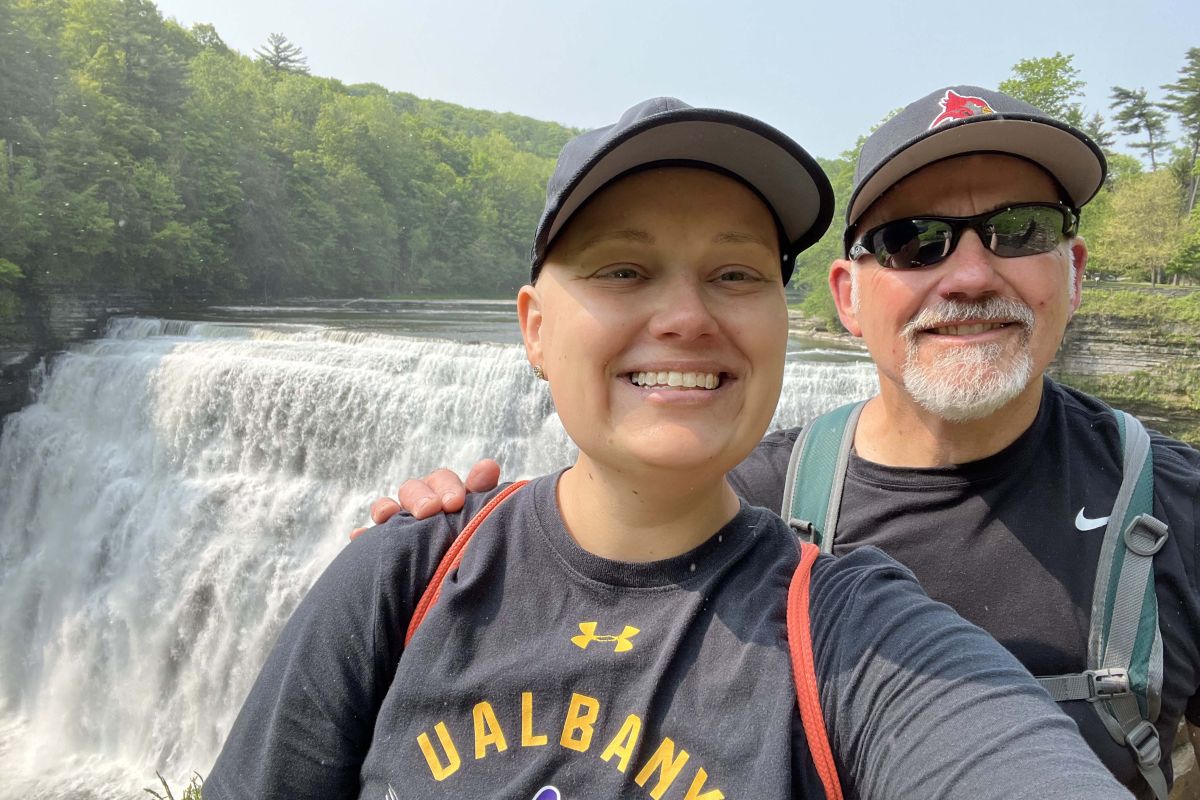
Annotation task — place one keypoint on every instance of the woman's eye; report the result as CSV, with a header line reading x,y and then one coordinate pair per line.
x,y
737,274
619,273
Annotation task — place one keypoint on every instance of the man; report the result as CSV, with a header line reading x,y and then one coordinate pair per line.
x,y
972,468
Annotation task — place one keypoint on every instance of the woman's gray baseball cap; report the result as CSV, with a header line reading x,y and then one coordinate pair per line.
x,y
959,120
665,131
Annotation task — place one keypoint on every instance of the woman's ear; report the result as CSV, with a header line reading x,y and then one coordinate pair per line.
x,y
841,283
529,314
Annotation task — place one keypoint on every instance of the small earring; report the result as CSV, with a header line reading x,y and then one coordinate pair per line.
x,y
539,373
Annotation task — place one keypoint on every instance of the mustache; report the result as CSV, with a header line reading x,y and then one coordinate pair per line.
x,y
950,312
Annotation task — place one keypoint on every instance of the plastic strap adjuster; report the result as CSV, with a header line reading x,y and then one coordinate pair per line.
x,y
1105,684
1145,535
1143,739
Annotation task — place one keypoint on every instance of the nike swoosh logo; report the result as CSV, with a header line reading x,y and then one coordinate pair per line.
x,y
1086,524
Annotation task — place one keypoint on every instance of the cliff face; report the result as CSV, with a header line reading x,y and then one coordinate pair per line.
x,y
45,324
1096,345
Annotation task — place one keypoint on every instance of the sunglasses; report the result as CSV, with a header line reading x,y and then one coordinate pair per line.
x,y
1024,229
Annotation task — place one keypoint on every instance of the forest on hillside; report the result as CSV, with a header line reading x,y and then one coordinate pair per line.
x,y
135,153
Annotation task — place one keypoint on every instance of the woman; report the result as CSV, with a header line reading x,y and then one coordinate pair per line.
x,y
617,630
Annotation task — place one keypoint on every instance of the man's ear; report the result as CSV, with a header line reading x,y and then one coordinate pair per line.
x,y
841,278
529,314
1079,258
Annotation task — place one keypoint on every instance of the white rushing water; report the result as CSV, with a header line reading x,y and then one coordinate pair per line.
x,y
177,486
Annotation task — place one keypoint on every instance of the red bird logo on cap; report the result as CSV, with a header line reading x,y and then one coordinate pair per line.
x,y
959,106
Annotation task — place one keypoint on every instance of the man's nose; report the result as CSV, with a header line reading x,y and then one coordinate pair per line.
x,y
970,270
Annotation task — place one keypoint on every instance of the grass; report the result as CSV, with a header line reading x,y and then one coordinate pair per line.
x,y
1155,306
190,792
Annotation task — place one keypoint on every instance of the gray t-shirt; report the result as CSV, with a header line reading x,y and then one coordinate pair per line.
x,y
1011,542
545,671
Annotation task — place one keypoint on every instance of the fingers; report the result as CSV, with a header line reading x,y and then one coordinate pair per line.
x,y
357,532
484,476
440,490
383,509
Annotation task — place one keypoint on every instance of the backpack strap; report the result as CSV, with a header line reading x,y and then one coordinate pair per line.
x,y
804,672
1123,680
816,473
453,558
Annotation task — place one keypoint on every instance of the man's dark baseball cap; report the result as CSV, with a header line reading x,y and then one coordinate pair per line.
x,y
668,132
959,120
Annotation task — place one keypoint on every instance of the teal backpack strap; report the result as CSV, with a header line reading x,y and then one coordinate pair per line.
x,y
816,473
1124,676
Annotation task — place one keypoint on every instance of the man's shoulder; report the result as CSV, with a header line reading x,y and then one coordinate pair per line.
x,y
1175,462
760,477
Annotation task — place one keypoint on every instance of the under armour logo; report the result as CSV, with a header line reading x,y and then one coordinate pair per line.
x,y
587,635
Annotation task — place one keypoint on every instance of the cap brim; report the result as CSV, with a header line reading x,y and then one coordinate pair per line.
x,y
786,176
1074,161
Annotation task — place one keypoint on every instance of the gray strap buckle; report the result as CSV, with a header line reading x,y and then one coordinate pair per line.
x,y
1143,740
1105,684
804,529
1145,535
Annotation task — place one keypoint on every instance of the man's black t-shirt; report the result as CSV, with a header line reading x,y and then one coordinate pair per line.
x,y
1012,541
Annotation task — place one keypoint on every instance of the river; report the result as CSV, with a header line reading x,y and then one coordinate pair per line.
x,y
177,485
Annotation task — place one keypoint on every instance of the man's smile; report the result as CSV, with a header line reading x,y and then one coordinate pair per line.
x,y
967,329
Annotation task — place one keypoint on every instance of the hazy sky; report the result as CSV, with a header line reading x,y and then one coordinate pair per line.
x,y
823,73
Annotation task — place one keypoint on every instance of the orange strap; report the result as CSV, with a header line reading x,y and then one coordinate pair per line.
x,y
804,672
452,559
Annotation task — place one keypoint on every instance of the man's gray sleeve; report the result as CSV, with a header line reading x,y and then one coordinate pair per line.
x,y
920,703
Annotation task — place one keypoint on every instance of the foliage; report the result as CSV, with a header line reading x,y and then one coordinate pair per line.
x,y
280,55
1051,84
1156,308
190,792
1143,229
1136,114
135,153
1183,100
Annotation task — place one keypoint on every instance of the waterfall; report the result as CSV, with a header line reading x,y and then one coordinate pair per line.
x,y
176,486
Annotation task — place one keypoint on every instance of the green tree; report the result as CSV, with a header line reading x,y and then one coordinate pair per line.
x,y
1183,100
1050,83
1096,127
1149,205
280,55
1135,114
1186,261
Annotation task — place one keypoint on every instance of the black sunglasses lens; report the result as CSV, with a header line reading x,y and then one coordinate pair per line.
x,y
1024,231
911,243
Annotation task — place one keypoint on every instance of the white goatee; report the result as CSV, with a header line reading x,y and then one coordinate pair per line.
x,y
969,381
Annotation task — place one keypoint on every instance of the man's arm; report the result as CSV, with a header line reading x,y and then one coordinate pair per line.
x,y
920,703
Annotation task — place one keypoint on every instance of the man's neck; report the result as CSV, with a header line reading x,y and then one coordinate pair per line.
x,y
637,518
896,432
